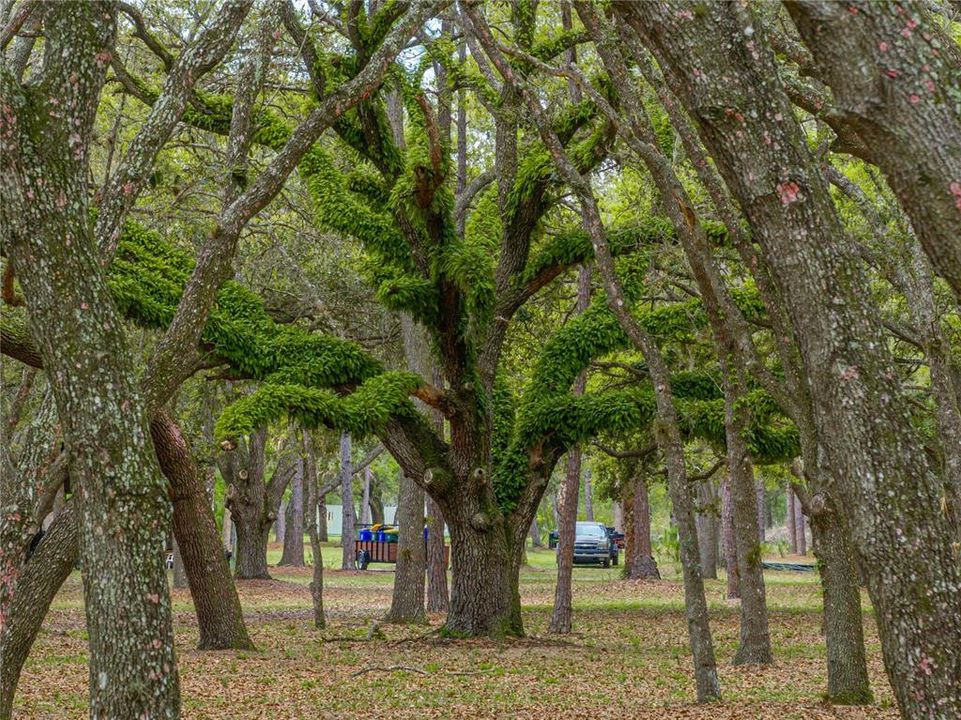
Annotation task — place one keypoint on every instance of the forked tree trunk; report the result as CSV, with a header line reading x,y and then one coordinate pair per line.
x,y
561,614
293,554
438,596
407,600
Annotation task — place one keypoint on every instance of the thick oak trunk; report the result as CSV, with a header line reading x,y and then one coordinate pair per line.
x,y
293,554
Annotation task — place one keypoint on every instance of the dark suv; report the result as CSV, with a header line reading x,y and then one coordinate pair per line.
x,y
593,544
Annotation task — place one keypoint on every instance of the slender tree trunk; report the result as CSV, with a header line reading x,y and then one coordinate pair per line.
x,y
407,601
755,641
280,524
588,496
438,597
228,532
365,515
317,580
762,514
535,534
707,529
730,545
791,520
800,535
561,615
294,538
618,517
347,501
322,520
180,575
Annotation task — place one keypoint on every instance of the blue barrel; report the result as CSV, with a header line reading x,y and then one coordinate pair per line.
x,y
366,535
425,532
381,536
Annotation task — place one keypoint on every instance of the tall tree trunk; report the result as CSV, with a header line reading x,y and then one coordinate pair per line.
x,y
728,541
347,502
588,496
313,493
49,239
407,601
570,490
755,640
438,597
791,519
365,515
322,520
707,535
643,565
861,414
561,614
294,538
180,575
762,513
535,534
280,524
618,516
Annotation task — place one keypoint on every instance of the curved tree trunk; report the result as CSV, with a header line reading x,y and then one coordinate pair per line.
x,y
39,581
219,615
407,600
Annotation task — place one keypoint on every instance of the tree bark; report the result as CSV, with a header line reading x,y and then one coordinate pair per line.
x,y
49,238
293,554
588,496
642,565
860,412
39,581
313,494
438,597
535,534
728,541
762,513
216,603
347,503
180,575
843,628
707,524
280,525
800,534
561,615
407,601
791,519
891,82
755,640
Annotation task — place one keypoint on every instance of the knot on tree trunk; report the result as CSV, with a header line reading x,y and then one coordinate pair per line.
x,y
481,521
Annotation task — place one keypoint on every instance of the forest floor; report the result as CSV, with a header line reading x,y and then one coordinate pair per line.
x,y
627,657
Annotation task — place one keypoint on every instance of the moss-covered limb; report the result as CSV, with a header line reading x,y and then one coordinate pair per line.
x,y
364,411
147,277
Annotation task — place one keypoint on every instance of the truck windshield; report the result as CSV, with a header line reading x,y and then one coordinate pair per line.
x,y
585,529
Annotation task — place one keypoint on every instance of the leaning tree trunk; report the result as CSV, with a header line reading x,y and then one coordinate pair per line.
x,y
39,582
219,615
407,601
294,528
438,596
561,614
717,59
